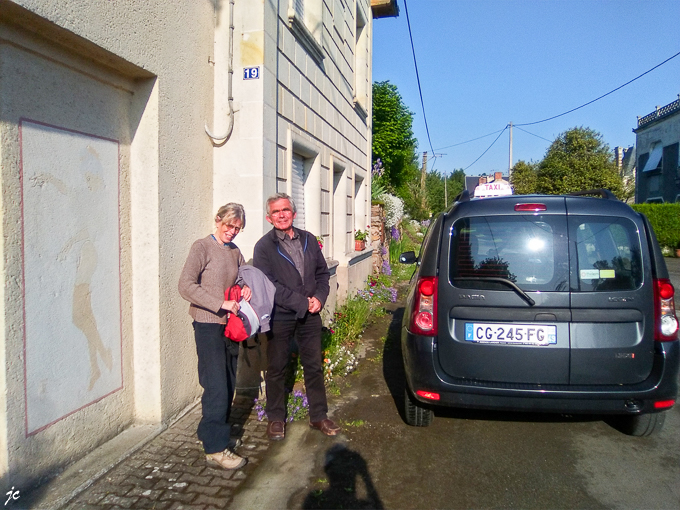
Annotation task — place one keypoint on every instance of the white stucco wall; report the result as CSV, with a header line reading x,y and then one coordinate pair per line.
x,y
147,77
140,78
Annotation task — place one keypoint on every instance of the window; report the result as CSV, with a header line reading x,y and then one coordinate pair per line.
x,y
361,61
305,21
297,179
655,157
608,253
528,251
303,182
360,200
342,210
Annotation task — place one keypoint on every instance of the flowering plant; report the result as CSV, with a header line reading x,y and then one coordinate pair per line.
x,y
319,240
361,235
296,404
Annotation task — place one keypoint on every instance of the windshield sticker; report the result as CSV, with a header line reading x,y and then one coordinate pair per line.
x,y
596,274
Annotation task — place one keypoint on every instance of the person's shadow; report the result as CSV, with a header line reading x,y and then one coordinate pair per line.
x,y
344,469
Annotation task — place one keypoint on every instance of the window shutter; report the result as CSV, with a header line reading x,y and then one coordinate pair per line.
x,y
298,190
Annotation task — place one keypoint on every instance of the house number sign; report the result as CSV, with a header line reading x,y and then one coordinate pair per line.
x,y
251,73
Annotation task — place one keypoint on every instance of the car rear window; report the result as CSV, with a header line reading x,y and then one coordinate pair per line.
x,y
607,252
530,251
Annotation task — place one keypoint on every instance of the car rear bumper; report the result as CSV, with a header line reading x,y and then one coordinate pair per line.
x,y
423,372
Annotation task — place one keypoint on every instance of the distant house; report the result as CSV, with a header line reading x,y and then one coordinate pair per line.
x,y
658,168
488,185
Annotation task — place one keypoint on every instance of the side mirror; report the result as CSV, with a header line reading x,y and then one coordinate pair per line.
x,y
408,257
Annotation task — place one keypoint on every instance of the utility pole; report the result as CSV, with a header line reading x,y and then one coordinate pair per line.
x,y
510,162
423,172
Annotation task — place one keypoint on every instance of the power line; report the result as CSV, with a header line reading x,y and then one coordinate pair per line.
x,y
415,63
487,150
532,134
603,95
550,118
468,141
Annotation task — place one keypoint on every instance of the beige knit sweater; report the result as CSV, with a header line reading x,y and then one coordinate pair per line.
x,y
210,269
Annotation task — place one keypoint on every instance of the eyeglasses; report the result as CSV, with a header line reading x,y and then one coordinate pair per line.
x,y
233,228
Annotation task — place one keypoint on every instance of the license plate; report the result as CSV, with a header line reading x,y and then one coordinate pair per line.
x,y
522,334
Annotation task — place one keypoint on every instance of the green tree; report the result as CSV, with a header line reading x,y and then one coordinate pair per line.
x,y
578,160
434,189
524,177
394,143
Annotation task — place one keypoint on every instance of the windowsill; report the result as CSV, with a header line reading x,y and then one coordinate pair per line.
x,y
300,30
360,108
357,256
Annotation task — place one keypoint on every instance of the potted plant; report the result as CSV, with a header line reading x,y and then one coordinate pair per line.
x,y
360,237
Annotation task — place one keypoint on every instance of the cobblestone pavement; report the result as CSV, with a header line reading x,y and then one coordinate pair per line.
x,y
170,472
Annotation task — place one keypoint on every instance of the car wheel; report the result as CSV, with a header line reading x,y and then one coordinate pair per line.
x,y
416,415
642,425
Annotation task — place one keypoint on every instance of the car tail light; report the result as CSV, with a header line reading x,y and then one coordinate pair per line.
x,y
530,207
664,404
665,321
424,313
430,395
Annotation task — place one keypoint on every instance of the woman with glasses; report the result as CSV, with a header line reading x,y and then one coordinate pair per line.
x,y
210,269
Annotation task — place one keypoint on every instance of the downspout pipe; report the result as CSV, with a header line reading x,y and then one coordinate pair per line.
x,y
219,140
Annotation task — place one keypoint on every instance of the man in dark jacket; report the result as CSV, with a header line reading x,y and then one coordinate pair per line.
x,y
292,260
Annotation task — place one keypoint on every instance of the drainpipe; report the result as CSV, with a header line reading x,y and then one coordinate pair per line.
x,y
219,140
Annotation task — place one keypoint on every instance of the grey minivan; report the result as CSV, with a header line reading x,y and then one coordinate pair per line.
x,y
541,303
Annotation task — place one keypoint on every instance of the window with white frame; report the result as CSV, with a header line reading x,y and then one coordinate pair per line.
x,y
360,204
342,234
305,19
297,180
304,183
361,60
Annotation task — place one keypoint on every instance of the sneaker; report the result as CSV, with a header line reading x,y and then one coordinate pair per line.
x,y
226,460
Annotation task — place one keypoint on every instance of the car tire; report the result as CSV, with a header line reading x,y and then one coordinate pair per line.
x,y
642,425
416,415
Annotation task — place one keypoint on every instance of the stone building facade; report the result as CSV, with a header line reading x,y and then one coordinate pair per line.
x,y
124,126
656,145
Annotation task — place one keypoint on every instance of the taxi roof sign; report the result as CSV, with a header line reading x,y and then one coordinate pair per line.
x,y
493,189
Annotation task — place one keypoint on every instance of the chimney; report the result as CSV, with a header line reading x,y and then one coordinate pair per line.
x,y
498,176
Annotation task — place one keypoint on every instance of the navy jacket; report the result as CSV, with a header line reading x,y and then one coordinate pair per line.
x,y
291,302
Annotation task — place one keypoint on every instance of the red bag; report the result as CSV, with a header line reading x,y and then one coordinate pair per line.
x,y
238,325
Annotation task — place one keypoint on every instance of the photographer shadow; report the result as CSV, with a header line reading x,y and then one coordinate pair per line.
x,y
346,471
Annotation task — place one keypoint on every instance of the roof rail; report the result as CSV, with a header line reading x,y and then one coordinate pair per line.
x,y
604,193
464,196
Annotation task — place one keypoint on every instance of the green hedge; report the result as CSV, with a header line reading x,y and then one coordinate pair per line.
x,y
665,220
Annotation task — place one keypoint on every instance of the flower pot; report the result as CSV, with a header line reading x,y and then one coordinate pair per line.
x,y
359,245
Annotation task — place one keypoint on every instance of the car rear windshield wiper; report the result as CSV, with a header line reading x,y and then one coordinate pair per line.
x,y
503,281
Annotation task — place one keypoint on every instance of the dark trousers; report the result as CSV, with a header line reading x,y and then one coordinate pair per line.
x,y
307,333
217,359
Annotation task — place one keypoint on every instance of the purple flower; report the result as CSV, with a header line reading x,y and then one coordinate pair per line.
x,y
386,268
425,223
377,169
383,250
394,232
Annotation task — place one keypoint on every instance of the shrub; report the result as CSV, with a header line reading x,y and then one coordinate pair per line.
x,y
394,209
665,220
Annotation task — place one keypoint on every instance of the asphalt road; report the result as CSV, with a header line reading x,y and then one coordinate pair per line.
x,y
465,459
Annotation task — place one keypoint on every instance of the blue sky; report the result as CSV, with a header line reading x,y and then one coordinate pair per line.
x,y
485,63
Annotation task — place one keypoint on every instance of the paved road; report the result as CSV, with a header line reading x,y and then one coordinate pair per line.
x,y
464,459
